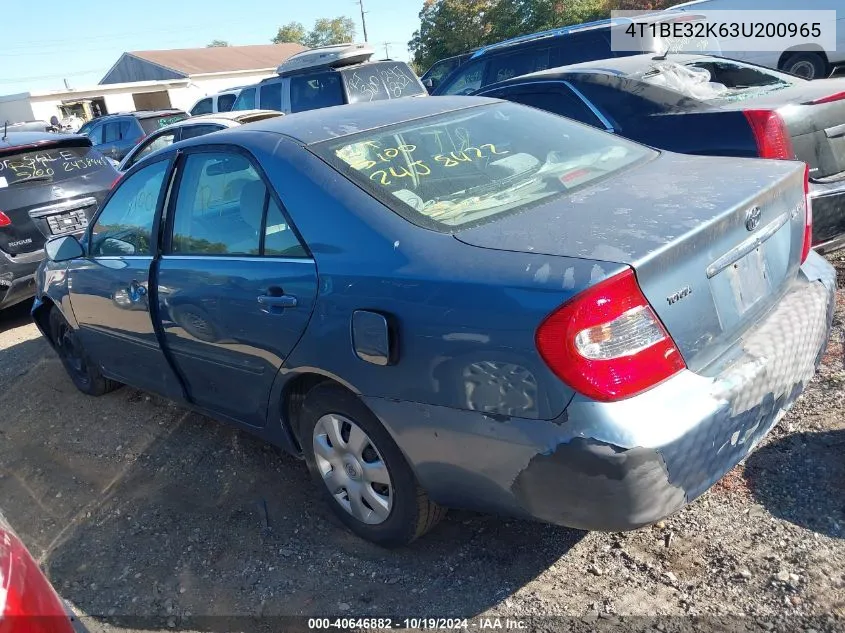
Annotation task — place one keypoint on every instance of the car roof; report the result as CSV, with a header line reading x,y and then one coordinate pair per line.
x,y
323,124
18,139
229,119
142,114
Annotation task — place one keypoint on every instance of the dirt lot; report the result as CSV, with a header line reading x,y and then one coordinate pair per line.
x,y
138,508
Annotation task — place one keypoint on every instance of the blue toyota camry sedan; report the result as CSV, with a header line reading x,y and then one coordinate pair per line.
x,y
455,302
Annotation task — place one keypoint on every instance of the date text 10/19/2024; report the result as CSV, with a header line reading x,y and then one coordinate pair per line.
x,y
421,624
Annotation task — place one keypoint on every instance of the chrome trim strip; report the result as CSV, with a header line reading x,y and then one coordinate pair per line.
x,y
67,205
741,250
239,258
603,119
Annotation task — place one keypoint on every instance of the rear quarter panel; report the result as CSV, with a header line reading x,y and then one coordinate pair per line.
x,y
457,308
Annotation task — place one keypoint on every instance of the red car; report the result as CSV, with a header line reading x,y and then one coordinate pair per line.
x,y
28,603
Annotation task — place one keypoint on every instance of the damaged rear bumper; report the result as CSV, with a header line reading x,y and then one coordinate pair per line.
x,y
828,200
618,466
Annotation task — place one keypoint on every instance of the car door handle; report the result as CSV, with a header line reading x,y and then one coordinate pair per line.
x,y
281,301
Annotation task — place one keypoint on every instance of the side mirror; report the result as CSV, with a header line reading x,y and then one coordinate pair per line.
x,y
429,83
114,163
63,249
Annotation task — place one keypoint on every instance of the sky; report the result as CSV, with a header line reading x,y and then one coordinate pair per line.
x,y
40,47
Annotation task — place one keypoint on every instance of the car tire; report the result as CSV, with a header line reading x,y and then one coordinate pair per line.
x,y
362,474
806,65
84,373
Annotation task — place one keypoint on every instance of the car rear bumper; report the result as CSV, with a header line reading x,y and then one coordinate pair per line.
x,y
618,466
828,201
17,277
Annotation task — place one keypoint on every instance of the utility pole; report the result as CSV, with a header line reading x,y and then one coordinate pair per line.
x,y
363,19
387,50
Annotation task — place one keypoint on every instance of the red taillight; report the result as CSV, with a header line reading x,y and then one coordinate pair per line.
x,y
607,343
770,133
839,96
808,225
4,220
28,603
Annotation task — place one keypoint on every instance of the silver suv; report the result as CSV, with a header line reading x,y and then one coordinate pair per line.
x,y
329,76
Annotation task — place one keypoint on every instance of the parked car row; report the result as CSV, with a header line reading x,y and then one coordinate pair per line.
x,y
460,301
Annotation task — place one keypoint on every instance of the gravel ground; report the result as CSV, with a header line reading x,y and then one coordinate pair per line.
x,y
139,509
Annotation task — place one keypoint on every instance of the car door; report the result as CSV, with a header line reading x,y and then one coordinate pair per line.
x,y
236,285
110,288
555,97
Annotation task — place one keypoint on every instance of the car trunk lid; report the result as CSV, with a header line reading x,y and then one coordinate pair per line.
x,y
49,189
711,249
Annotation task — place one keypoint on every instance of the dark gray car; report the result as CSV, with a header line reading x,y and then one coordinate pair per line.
x,y
50,184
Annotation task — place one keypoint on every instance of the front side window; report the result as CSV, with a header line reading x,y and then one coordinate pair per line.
x,y
310,92
124,227
95,133
467,167
467,80
220,210
162,140
246,100
204,106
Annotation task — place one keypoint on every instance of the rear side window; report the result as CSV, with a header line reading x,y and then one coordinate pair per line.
x,y
246,100
310,92
622,102
502,67
225,102
151,124
49,165
204,106
557,101
124,227
111,131
192,131
271,96
470,166
587,47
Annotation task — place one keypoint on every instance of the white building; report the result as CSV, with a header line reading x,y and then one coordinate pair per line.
x,y
143,80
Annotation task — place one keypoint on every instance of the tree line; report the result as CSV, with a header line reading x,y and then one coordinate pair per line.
x,y
452,27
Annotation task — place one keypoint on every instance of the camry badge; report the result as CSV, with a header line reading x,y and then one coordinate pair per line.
x,y
752,218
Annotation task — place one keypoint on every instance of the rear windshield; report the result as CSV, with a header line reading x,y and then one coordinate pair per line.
x,y
717,80
467,167
383,80
152,124
49,165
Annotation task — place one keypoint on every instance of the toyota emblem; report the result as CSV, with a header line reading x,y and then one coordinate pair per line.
x,y
752,218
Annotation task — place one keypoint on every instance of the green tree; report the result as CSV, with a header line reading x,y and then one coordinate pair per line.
x,y
217,43
450,27
331,31
292,32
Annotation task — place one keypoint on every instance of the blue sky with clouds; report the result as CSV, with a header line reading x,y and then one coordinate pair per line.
x,y
46,42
